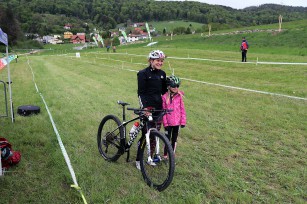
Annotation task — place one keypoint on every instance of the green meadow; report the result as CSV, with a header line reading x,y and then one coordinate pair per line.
x,y
245,139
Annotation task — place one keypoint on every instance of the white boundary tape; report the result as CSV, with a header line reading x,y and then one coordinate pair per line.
x,y
226,86
244,89
64,152
230,61
193,58
209,83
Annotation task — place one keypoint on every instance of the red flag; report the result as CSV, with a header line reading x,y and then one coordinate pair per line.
x,y
3,63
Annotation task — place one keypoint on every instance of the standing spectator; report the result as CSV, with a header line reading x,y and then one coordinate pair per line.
x,y
173,100
244,48
108,48
151,87
114,48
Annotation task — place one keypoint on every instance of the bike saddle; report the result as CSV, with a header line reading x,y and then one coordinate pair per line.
x,y
122,103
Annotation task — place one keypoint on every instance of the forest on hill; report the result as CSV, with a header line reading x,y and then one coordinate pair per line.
x,y
46,17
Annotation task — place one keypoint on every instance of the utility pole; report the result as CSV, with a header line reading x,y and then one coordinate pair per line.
x,y
209,26
280,22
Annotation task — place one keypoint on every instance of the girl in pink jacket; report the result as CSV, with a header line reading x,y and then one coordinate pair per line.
x,y
173,99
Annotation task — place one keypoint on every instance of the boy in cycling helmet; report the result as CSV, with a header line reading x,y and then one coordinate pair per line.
x,y
151,87
173,99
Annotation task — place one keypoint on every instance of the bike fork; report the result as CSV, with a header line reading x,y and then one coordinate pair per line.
x,y
150,160
128,156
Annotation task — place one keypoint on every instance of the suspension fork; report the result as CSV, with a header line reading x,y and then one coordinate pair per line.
x,y
157,146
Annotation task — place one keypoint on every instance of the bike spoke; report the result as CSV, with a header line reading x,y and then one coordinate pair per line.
x,y
108,138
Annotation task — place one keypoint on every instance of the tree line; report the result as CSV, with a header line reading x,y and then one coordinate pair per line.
x,y
47,17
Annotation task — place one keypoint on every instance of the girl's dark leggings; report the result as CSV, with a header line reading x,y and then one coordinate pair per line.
x,y
172,134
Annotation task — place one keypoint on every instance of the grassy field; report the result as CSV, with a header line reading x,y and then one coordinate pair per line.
x,y
239,146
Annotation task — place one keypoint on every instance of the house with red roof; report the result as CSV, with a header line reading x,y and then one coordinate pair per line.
x,y
77,39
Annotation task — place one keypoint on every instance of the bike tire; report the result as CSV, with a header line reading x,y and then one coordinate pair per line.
x,y
109,138
161,175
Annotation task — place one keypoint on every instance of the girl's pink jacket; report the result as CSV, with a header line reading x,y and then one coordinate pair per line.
x,y
178,115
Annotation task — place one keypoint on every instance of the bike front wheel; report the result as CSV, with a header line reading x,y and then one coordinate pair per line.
x,y
109,137
159,173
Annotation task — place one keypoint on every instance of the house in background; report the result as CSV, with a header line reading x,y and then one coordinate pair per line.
x,y
136,25
137,34
67,26
137,37
67,35
56,39
46,38
77,39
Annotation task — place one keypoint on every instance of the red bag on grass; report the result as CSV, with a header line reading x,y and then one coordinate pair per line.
x,y
9,157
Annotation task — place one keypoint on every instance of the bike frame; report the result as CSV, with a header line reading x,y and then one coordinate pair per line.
x,y
127,145
157,171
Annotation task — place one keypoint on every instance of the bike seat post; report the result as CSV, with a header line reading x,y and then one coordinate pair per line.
x,y
124,113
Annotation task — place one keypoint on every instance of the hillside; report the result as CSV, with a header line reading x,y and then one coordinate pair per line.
x,y
49,17
262,39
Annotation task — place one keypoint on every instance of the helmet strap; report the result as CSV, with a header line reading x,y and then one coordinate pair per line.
x,y
172,92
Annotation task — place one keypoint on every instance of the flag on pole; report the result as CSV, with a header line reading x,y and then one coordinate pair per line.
x,y
148,31
11,58
4,61
100,39
3,37
125,35
94,38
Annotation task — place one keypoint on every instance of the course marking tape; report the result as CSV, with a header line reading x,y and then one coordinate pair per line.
x,y
237,88
64,152
244,89
221,85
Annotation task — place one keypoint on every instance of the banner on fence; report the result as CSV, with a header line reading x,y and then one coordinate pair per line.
x,y
4,61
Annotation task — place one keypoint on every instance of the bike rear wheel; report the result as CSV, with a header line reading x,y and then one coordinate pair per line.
x,y
159,175
109,138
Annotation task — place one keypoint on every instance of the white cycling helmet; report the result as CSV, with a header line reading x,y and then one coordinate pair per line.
x,y
156,54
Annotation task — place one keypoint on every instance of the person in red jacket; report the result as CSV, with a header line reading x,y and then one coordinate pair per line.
x,y
244,48
173,99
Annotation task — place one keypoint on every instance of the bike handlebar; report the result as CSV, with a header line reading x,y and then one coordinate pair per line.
x,y
139,111
144,111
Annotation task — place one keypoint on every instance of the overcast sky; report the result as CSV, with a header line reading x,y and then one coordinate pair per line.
x,y
246,3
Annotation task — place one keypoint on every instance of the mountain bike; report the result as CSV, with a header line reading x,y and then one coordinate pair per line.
x,y
157,170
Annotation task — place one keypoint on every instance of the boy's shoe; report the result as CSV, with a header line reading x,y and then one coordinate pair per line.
x,y
138,165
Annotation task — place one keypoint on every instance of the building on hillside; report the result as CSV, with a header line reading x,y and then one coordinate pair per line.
x,y
79,38
56,39
67,35
137,31
138,24
67,26
114,34
31,35
137,37
46,38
